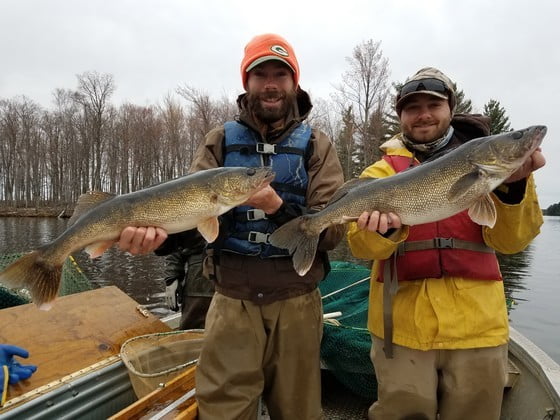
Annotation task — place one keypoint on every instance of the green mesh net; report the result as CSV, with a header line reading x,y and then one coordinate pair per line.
x,y
73,281
346,341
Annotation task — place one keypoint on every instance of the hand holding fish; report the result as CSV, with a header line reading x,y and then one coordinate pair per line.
x,y
141,240
378,222
266,199
535,161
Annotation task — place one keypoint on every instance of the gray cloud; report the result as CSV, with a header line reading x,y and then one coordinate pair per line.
x,y
504,50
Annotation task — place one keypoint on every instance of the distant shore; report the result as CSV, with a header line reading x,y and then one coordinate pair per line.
x,y
6,211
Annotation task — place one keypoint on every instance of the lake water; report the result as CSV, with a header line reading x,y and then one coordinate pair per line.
x,y
531,277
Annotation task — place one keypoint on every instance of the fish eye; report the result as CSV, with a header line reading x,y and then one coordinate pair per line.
x,y
251,171
517,135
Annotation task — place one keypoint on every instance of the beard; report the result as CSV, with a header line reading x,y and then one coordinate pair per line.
x,y
270,115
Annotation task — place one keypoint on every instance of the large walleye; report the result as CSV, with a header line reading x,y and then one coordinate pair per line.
x,y
184,203
432,191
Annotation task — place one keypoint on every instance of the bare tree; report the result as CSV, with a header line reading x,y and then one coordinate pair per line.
x,y
21,151
94,92
206,114
365,89
175,139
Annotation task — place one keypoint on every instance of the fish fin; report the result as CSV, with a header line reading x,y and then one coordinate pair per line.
x,y
344,188
97,249
293,237
209,229
348,219
490,169
483,211
462,186
86,202
37,275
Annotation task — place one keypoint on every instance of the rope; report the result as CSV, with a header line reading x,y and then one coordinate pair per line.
x,y
346,287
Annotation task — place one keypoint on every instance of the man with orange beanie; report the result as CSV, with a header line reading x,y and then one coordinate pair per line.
x,y
264,324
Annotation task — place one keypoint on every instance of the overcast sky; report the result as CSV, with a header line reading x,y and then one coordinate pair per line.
x,y
499,49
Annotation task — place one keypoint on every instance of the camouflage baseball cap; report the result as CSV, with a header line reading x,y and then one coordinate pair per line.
x,y
430,81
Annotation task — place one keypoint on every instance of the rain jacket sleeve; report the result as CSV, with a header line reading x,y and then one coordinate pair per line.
x,y
517,224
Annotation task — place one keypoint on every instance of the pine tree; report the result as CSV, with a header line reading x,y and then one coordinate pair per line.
x,y
463,105
499,121
392,123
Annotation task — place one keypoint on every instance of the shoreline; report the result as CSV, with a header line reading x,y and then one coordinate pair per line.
x,y
62,212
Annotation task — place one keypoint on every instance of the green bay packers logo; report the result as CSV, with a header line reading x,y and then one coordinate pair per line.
x,y
280,50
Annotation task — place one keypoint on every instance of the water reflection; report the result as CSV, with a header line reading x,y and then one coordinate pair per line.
x,y
141,277
515,269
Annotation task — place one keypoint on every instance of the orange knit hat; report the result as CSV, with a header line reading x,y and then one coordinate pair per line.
x,y
268,47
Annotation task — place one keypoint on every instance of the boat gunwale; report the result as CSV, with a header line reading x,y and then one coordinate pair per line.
x,y
545,369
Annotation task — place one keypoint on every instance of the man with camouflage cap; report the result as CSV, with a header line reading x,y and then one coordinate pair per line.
x,y
437,312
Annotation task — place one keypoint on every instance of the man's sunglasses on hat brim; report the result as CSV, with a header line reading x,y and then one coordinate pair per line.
x,y
433,85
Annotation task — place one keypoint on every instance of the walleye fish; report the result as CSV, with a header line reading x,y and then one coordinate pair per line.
x,y
194,200
461,179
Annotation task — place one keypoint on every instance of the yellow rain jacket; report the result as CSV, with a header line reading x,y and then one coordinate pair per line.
x,y
448,312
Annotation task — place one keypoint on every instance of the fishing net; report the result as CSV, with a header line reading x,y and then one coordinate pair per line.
x,y
73,281
346,341
154,359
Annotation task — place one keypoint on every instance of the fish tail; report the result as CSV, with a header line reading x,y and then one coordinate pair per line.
x,y
299,241
34,273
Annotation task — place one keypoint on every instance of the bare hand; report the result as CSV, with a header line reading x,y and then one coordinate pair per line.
x,y
533,162
378,222
266,199
141,240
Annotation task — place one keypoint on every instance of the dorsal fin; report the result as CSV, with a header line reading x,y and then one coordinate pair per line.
x,y
87,201
344,188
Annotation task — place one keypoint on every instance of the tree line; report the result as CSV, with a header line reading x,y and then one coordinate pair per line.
x,y
552,210
48,157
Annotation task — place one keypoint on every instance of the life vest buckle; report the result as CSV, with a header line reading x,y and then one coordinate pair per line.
x,y
444,243
266,148
258,237
256,214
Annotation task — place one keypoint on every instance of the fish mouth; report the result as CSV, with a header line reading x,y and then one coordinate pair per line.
x,y
266,175
540,132
536,134
268,178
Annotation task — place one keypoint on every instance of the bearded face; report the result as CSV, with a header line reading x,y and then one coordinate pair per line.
x,y
270,106
271,91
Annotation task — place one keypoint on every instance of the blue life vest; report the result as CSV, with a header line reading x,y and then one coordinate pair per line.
x,y
246,228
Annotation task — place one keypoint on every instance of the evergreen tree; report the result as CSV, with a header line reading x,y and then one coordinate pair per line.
x,y
463,105
553,210
499,121
391,119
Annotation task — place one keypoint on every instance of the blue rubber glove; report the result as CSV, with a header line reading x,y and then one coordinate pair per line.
x,y
16,371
